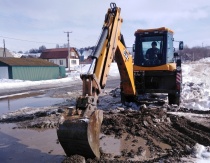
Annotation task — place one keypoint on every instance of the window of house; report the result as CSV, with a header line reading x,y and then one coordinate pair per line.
x,y
51,61
73,62
61,62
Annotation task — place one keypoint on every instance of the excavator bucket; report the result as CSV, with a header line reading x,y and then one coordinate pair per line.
x,y
81,135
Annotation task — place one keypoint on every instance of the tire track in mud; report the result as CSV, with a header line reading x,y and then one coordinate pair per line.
x,y
167,136
195,131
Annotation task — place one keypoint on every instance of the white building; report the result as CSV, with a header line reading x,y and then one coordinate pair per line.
x,y
60,57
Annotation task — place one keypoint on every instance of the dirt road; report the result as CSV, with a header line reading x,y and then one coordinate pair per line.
x,y
145,133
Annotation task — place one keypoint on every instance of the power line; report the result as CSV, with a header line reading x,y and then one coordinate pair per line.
x,y
75,45
31,40
27,40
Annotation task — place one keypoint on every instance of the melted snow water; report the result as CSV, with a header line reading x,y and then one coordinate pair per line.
x,y
24,145
13,103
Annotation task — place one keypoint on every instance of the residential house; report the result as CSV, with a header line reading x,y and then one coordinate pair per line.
x,y
60,57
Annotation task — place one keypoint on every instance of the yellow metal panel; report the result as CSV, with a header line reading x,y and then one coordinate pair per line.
x,y
100,61
125,64
166,67
154,29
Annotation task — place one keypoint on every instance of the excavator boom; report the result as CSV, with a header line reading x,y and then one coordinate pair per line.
x,y
79,128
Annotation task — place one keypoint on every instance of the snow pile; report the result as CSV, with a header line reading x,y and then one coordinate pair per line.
x,y
196,85
11,84
16,55
201,152
80,69
28,113
196,96
83,68
205,60
87,53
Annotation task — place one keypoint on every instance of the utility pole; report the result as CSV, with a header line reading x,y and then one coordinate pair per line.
x,y
4,53
68,49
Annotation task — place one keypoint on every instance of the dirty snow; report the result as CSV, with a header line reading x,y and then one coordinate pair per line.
x,y
195,90
200,154
29,111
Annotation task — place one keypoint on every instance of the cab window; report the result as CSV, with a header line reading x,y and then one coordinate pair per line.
x,y
152,50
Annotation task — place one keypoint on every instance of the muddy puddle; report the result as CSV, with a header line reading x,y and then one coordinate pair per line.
x,y
12,103
26,145
115,147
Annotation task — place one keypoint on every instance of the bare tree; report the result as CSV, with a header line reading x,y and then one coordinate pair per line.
x,y
195,53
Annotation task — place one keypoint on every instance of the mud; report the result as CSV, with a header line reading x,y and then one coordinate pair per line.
x,y
153,135
155,132
144,135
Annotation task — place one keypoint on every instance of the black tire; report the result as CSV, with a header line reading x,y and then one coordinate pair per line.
x,y
174,99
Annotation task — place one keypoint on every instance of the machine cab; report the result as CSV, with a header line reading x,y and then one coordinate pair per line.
x,y
153,47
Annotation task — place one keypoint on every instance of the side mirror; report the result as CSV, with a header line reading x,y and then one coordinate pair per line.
x,y
181,45
133,47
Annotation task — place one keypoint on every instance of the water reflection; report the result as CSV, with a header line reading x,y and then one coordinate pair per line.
x,y
13,103
8,104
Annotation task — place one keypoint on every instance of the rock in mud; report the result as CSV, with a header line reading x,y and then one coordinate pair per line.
x,y
74,159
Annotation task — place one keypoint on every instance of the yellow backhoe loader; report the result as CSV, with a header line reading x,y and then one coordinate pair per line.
x,y
79,129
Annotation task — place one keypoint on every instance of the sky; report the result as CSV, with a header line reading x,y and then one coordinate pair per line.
x,y
28,24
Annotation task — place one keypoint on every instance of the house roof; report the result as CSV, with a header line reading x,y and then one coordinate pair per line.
x,y
26,62
56,53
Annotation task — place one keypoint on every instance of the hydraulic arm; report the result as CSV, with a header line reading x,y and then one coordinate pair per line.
x,y
79,129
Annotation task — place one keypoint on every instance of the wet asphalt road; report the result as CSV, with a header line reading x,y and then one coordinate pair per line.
x,y
71,86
